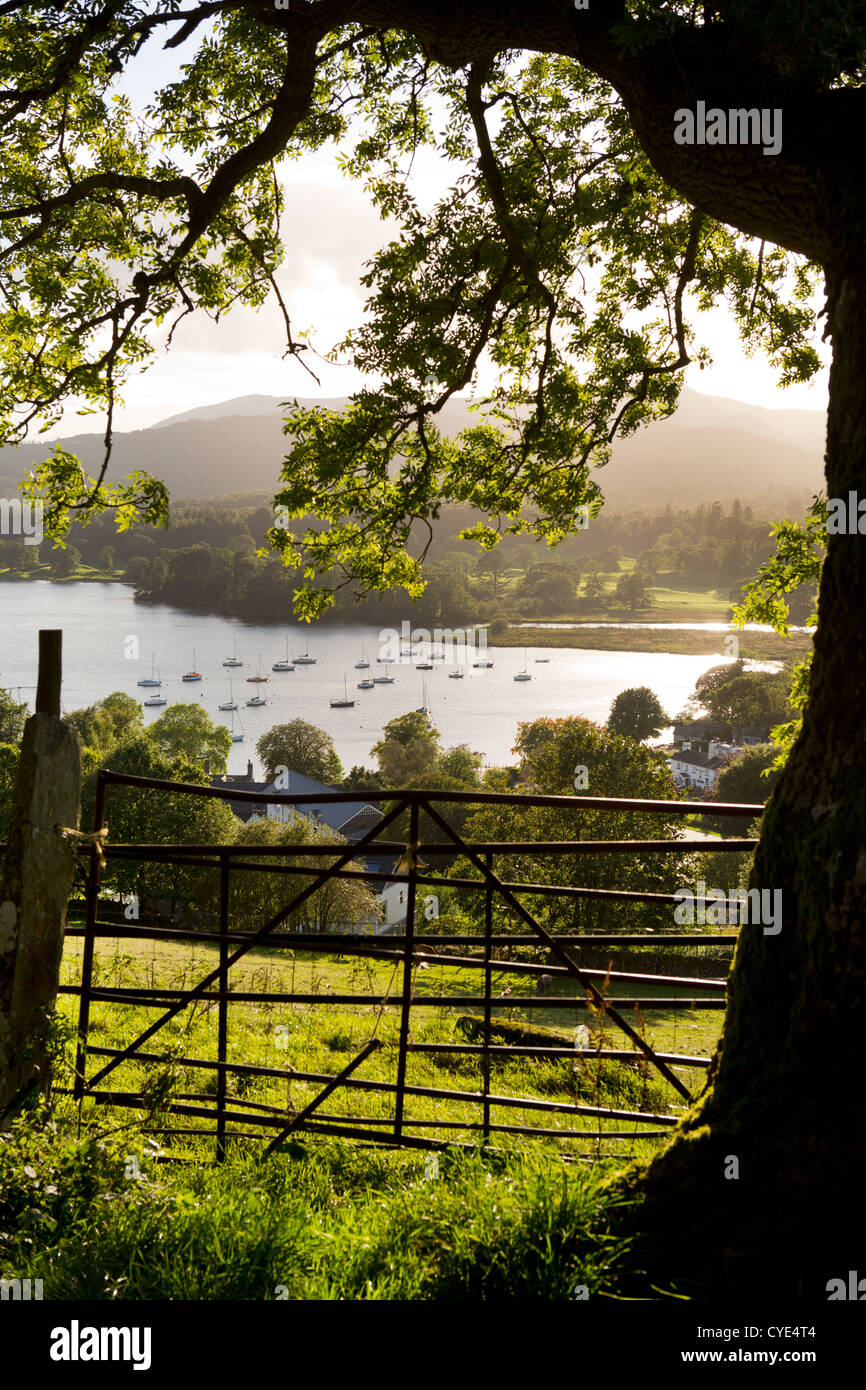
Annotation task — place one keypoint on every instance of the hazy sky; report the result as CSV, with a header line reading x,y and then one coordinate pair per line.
x,y
330,229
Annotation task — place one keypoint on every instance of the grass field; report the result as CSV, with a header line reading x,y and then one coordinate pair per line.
x,y
698,605
320,1038
753,646
323,1221
101,1212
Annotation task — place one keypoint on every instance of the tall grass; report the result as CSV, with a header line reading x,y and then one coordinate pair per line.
x,y
89,1205
325,1221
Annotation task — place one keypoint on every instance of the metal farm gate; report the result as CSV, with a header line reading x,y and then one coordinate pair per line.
x,y
404,1109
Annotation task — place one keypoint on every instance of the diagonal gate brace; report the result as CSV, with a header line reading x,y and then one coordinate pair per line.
x,y
256,938
574,969
332,1085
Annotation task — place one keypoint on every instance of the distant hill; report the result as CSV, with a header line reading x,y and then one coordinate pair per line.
x,y
243,405
683,464
712,448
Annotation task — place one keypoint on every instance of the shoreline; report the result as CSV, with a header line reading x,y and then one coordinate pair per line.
x,y
753,646
579,635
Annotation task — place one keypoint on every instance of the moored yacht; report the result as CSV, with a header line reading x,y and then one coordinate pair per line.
x,y
192,675
286,665
345,703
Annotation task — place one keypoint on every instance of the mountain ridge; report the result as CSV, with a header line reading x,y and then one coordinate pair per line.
x,y
711,448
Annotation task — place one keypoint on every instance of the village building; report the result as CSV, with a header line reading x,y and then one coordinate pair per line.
x,y
350,819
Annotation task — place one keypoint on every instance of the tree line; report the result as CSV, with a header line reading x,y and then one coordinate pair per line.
x,y
211,558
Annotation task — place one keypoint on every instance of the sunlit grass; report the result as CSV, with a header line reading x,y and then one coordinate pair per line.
x,y
121,1210
319,1038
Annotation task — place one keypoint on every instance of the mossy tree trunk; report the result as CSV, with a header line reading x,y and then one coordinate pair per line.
x,y
786,1095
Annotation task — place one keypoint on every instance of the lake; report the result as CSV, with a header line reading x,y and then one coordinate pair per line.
x,y
103,627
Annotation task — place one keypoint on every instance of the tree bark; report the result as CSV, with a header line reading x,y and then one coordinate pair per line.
x,y
785,1095
34,888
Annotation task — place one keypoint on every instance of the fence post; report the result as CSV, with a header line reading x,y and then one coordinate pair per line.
x,y
407,970
50,672
34,888
91,910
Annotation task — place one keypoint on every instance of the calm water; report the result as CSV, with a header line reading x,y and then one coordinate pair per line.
x,y
482,710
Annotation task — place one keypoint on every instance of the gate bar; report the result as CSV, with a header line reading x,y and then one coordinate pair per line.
x,y
332,1085
598,999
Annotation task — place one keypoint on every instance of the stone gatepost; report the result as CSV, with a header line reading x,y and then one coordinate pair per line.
x,y
35,880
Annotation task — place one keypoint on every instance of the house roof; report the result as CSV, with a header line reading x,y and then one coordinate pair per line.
x,y
351,818
359,822
240,781
712,728
692,759
701,728
338,815
379,864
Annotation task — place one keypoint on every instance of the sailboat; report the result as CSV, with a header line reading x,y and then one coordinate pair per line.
x,y
256,702
231,702
305,659
237,738
155,702
455,675
483,664
193,675
366,684
151,679
523,675
424,707
345,703
286,665
259,679
233,660
363,664
383,680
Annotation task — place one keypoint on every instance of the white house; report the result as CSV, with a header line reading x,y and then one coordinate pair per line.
x,y
691,769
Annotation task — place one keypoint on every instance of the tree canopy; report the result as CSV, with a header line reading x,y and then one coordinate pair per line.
x,y
142,816
575,235
187,731
551,752
300,747
410,754
105,725
748,778
732,693
13,717
256,897
637,713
